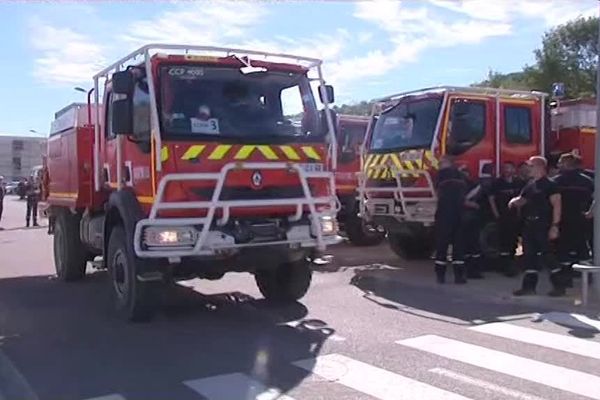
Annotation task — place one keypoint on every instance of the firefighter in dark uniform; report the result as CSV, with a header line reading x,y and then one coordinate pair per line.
x,y
471,227
451,189
32,192
503,190
539,202
576,192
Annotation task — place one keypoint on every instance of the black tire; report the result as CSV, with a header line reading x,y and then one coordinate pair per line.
x,y
70,256
409,247
135,300
360,233
286,283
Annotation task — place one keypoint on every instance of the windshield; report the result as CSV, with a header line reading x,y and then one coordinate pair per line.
x,y
408,125
217,102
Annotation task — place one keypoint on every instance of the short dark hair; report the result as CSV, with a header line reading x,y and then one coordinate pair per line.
x,y
568,160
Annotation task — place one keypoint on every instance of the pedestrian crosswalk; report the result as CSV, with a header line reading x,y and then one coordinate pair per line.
x,y
445,359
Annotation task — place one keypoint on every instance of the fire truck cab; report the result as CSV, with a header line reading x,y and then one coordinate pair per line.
x,y
409,132
351,130
198,161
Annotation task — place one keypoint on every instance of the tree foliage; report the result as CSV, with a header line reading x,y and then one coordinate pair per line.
x,y
362,108
568,54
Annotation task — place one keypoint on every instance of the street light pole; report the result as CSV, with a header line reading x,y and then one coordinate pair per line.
x,y
597,167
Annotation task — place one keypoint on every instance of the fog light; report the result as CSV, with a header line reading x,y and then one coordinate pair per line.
x,y
328,225
158,236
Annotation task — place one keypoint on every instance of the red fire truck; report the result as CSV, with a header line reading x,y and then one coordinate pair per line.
x,y
351,131
198,161
408,133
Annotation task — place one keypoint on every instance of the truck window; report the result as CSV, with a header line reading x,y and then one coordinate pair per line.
x,y
217,102
466,126
351,137
141,110
517,124
109,110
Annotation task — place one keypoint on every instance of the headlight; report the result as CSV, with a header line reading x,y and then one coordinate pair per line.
x,y
328,225
168,236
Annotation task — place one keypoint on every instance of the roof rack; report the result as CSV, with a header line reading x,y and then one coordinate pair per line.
x,y
155,48
467,89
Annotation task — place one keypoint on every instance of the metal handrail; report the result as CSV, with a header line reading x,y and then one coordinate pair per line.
x,y
466,89
312,62
225,205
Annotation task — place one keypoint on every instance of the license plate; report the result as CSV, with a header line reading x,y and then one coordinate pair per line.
x,y
381,209
311,167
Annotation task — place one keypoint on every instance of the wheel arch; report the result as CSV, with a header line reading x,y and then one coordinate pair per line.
x,y
122,208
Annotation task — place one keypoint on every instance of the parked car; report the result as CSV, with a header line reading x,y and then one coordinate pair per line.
x,y
11,187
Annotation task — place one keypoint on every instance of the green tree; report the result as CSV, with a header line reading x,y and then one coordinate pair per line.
x,y
569,54
513,80
362,108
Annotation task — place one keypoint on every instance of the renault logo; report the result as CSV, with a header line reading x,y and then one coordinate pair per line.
x,y
257,179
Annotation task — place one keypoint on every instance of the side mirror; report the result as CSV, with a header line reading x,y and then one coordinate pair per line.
x,y
326,94
122,121
122,82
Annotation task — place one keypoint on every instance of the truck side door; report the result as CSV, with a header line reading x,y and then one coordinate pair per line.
x,y
470,133
520,130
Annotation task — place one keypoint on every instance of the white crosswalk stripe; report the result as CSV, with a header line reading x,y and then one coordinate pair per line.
x,y
234,386
374,381
586,348
361,377
576,382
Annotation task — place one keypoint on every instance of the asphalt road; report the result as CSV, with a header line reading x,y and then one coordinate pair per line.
x,y
371,327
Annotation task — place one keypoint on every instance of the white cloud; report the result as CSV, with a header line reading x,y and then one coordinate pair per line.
x,y
65,56
197,23
552,12
410,31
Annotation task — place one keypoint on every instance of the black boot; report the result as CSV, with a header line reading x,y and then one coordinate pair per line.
x,y
558,280
530,280
459,272
509,267
473,265
27,223
440,272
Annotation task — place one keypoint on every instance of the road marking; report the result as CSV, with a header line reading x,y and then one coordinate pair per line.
x,y
581,347
550,375
484,384
114,396
373,381
234,386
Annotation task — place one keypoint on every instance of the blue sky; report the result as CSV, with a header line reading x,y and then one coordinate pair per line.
x,y
370,48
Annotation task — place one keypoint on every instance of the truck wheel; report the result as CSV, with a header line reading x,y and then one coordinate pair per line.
x,y
409,247
287,283
361,233
135,300
70,256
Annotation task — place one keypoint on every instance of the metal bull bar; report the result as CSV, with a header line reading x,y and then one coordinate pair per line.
x,y
203,246
399,193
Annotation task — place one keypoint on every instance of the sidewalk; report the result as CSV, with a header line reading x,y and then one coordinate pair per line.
x,y
495,287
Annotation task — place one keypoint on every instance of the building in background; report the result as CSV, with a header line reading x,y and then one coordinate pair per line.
x,y
19,154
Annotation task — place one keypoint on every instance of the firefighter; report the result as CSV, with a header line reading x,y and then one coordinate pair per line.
x,y
539,202
32,192
451,189
576,190
471,227
503,190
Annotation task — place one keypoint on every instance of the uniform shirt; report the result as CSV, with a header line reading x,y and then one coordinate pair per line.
x,y
537,193
503,191
451,189
576,191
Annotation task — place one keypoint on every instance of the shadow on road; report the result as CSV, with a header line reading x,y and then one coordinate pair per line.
x,y
460,305
65,340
